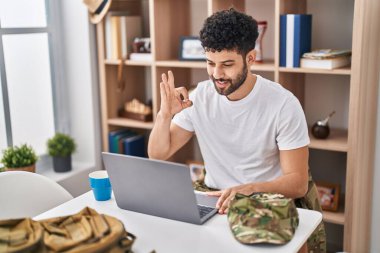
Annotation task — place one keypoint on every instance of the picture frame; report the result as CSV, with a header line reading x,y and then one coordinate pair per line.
x,y
328,195
190,49
197,170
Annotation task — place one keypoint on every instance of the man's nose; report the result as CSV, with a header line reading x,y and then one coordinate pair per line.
x,y
218,73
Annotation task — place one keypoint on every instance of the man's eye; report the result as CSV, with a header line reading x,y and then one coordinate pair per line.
x,y
211,64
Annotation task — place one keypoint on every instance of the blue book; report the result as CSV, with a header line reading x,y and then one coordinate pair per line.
x,y
117,146
283,40
111,136
295,38
135,145
114,138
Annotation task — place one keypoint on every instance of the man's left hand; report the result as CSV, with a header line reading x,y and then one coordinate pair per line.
x,y
225,196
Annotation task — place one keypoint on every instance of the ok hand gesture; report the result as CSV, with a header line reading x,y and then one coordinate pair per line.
x,y
173,100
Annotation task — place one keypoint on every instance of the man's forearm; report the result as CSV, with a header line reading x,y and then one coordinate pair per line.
x,y
159,140
291,185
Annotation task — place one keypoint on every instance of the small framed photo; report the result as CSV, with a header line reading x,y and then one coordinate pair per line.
x,y
197,170
190,49
328,195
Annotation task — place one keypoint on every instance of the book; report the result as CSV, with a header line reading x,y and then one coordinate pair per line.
x,y
115,38
295,38
119,146
108,41
115,137
134,145
326,53
115,145
141,57
328,63
120,32
111,136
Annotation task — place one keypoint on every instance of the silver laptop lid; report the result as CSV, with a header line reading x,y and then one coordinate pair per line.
x,y
153,187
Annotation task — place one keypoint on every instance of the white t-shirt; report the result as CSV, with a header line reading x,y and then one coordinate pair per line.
x,y
240,140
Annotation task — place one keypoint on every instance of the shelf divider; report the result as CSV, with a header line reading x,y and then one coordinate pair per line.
x,y
124,122
128,62
339,71
181,64
334,217
337,141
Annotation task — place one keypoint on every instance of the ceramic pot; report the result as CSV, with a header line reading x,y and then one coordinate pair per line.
x,y
30,168
62,163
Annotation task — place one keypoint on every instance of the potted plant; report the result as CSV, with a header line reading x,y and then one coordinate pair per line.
x,y
19,158
60,147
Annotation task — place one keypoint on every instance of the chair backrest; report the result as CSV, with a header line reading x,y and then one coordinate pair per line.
x,y
27,194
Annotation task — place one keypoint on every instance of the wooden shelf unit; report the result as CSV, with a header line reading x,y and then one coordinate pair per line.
x,y
170,19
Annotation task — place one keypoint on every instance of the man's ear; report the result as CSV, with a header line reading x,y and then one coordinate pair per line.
x,y
251,56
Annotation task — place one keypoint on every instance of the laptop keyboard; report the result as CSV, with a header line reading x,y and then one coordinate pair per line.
x,y
204,210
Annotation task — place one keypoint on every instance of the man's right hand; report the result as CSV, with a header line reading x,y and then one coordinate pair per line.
x,y
173,100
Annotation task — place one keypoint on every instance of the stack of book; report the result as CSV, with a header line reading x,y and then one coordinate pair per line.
x,y
120,31
295,38
326,59
126,142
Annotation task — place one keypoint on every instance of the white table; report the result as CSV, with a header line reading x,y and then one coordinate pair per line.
x,y
169,236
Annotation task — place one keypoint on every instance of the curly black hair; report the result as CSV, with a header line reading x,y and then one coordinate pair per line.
x,y
229,30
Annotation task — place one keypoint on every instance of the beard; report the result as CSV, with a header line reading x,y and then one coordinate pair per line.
x,y
232,84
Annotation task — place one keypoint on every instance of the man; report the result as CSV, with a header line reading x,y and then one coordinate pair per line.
x,y
251,131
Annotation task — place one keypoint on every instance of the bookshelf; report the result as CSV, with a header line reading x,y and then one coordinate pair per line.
x,y
164,21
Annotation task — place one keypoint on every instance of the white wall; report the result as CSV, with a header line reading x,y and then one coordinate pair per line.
x,y
79,58
375,230
80,67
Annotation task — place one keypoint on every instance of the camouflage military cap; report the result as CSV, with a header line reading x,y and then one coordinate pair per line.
x,y
263,218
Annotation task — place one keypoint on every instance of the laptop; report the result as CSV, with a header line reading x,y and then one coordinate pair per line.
x,y
157,188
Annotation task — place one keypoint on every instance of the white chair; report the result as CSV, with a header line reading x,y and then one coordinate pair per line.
x,y
27,194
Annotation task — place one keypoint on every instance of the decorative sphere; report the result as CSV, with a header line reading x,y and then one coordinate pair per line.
x,y
320,132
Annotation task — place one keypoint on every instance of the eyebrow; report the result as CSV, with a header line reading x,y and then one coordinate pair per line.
x,y
227,61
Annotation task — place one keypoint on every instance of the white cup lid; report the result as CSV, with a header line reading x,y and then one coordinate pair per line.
x,y
98,174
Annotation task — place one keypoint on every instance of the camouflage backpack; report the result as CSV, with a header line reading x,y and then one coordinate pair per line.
x,y
83,232
263,218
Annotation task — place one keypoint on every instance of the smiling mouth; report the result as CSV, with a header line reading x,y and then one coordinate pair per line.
x,y
222,84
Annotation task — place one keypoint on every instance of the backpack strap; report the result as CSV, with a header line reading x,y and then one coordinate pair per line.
x,y
121,72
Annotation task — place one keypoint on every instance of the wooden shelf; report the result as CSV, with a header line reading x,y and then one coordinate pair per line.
x,y
337,217
130,123
182,64
340,71
129,63
334,217
337,141
267,65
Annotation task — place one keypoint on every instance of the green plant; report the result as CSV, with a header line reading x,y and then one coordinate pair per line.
x,y
19,156
61,145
